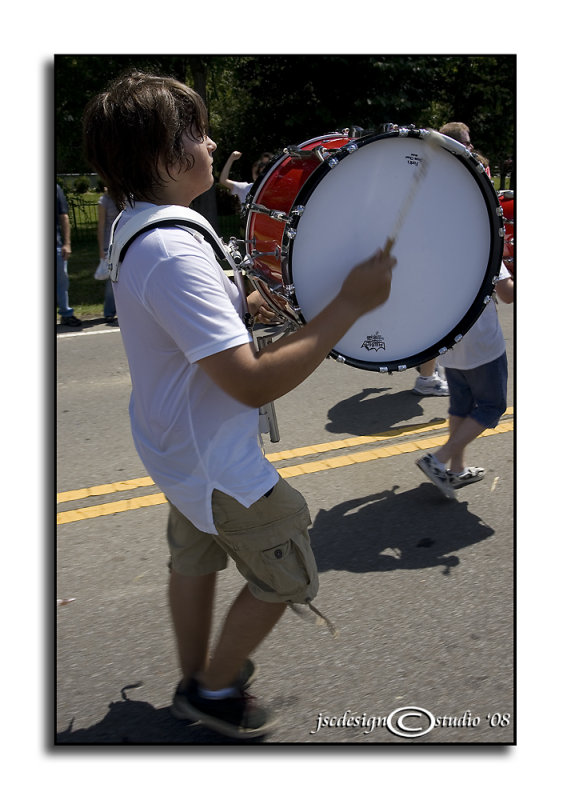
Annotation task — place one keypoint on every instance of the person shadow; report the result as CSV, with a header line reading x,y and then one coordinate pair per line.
x,y
386,531
136,722
364,414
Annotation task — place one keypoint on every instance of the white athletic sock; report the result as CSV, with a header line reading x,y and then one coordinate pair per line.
x,y
218,694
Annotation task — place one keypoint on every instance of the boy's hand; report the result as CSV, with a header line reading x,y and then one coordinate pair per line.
x,y
368,285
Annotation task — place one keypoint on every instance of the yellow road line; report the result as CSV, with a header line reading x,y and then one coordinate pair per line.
x,y
104,509
104,488
379,452
283,455
354,441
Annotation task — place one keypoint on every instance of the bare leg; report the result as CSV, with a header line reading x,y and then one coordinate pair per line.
x,y
427,370
248,622
463,430
191,602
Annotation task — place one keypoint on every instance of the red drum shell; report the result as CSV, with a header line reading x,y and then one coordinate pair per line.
x,y
277,189
507,203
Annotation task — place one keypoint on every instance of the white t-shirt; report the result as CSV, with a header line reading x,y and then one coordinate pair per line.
x,y
176,306
241,190
483,343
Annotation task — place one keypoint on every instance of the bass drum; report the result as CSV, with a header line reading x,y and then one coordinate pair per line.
x,y
448,252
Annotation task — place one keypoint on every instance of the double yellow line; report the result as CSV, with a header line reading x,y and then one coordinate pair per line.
x,y
403,442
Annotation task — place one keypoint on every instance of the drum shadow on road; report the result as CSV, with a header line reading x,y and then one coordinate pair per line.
x,y
364,415
389,531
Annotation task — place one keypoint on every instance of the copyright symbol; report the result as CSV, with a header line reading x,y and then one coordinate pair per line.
x,y
400,722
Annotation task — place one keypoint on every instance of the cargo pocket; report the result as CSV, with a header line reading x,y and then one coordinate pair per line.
x,y
289,567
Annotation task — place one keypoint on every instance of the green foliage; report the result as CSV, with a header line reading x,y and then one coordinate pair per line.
x,y
81,185
259,103
266,102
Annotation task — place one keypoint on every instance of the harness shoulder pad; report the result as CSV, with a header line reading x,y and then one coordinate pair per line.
x,y
164,216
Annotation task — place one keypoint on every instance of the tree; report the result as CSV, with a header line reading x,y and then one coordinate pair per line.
x,y
263,103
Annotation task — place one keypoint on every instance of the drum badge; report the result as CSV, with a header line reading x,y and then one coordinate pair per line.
x,y
374,342
414,159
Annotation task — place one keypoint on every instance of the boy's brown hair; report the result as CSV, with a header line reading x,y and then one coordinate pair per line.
x,y
138,125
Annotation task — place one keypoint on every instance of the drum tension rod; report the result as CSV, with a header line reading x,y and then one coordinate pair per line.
x,y
281,216
276,252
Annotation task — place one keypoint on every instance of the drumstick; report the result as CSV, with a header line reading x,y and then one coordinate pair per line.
x,y
434,141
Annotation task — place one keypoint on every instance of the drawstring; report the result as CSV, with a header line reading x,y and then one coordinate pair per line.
x,y
321,617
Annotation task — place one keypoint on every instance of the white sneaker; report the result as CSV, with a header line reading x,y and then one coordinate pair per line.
x,y
437,473
434,385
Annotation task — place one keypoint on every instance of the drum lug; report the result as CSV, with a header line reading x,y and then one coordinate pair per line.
x,y
332,162
295,215
412,130
320,153
281,216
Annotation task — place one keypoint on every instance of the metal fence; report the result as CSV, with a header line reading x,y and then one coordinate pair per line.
x,y
83,220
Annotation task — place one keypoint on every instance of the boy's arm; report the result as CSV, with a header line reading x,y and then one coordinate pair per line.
x,y
256,378
505,290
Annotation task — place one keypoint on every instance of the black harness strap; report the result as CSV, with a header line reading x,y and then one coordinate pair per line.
x,y
182,223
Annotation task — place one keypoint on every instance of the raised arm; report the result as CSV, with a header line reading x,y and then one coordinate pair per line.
x,y
224,175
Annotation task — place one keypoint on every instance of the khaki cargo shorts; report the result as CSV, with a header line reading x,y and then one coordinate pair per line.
x,y
269,543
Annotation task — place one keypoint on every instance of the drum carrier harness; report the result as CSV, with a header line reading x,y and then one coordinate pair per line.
x,y
186,218
166,217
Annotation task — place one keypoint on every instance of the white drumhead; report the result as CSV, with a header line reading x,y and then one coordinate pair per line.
x,y
442,251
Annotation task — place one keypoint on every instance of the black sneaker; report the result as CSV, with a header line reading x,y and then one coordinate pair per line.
x,y
238,717
247,674
72,322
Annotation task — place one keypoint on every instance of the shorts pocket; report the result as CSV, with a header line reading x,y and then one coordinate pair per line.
x,y
278,563
289,568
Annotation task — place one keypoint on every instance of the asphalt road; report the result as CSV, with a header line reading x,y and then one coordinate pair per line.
x,y
420,588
